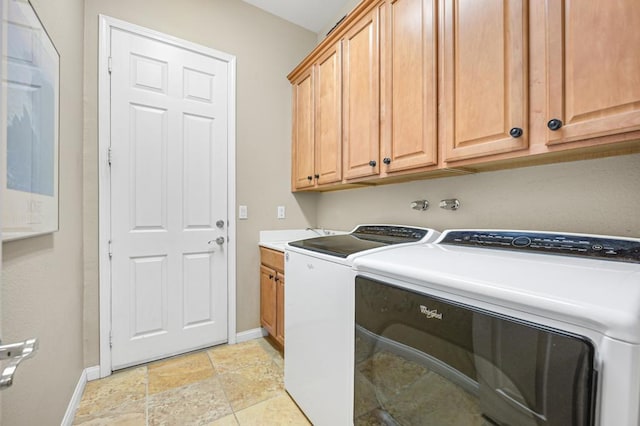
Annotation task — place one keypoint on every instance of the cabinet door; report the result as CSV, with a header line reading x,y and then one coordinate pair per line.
x,y
268,299
280,309
409,96
483,55
593,60
328,117
361,98
303,131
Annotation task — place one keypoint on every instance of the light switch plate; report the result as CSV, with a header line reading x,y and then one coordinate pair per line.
x,y
281,212
242,212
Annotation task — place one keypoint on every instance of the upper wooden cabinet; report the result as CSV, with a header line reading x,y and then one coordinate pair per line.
x,y
403,89
328,117
361,97
317,123
409,104
302,153
484,94
593,69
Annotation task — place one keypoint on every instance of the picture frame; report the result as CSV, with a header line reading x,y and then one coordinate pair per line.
x,y
30,125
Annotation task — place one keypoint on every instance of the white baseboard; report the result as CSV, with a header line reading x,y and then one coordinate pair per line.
x,y
93,373
88,374
247,335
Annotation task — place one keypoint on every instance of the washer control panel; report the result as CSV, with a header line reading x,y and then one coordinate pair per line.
x,y
402,233
623,250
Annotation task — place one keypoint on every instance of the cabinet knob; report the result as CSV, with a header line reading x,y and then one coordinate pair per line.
x,y
516,132
309,177
277,279
373,163
317,176
554,124
386,160
270,276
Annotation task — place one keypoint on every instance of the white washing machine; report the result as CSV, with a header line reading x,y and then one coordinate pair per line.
x,y
319,316
500,327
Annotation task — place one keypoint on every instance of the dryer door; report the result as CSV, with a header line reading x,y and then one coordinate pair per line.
x,y
419,357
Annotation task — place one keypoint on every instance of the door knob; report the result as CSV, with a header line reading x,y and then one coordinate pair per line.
x,y
220,224
219,241
16,353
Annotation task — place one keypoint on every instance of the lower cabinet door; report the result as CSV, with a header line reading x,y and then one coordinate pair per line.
x,y
280,309
268,299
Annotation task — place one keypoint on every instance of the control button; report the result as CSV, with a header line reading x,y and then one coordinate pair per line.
x,y
611,252
597,247
521,242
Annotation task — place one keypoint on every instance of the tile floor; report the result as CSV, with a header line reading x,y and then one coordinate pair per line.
x,y
226,385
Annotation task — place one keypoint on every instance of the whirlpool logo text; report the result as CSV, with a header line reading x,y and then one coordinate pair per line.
x,y
430,313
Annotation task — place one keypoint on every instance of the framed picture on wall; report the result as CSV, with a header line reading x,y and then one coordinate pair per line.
x,y
30,125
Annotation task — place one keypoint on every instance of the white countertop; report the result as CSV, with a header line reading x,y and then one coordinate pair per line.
x,y
276,240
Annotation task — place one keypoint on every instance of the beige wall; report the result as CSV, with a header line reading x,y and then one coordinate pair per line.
x,y
42,276
267,49
595,196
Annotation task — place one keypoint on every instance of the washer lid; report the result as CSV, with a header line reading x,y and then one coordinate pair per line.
x,y
597,294
365,237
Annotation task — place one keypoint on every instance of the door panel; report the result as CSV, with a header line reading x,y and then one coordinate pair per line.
x,y
303,125
268,299
595,90
361,98
328,117
198,187
197,291
169,186
484,77
149,296
148,148
280,309
410,95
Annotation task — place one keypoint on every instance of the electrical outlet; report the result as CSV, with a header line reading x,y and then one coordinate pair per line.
x,y
242,212
281,212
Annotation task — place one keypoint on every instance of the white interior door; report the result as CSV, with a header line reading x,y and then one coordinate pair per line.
x,y
169,134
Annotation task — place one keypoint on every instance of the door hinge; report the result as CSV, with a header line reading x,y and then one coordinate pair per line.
x,y
110,251
109,64
110,340
109,156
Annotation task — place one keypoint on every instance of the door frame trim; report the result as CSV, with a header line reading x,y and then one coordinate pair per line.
x,y
104,184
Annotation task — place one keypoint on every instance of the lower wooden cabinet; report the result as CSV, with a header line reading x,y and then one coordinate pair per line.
x,y
272,293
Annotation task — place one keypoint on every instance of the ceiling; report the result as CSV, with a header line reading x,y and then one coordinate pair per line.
x,y
313,15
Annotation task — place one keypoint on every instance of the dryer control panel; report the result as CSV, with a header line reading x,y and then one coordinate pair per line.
x,y
591,246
